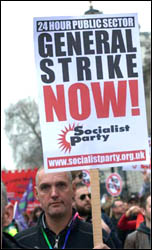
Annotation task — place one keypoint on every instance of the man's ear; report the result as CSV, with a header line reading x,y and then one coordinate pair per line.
x,y
8,215
36,193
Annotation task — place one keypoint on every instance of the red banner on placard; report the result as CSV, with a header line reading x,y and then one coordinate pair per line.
x,y
16,183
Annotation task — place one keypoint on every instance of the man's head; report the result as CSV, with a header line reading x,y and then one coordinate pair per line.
x,y
7,208
77,177
118,208
133,200
146,208
82,199
54,191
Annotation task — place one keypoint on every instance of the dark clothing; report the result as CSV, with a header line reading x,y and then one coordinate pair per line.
x,y
129,226
115,221
81,236
139,239
113,234
8,242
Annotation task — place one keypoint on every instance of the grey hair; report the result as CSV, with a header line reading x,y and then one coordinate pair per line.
x,y
4,198
36,177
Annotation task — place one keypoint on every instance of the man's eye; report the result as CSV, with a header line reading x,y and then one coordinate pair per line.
x,y
61,185
44,187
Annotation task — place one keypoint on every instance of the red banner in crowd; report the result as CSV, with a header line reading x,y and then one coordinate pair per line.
x,y
16,183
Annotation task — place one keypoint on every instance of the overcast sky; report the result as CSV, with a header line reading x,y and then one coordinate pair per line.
x,y
18,66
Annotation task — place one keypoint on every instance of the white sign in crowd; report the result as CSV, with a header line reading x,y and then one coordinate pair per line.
x,y
141,167
91,92
114,184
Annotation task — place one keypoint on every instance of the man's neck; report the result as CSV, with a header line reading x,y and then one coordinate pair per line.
x,y
84,217
57,224
117,216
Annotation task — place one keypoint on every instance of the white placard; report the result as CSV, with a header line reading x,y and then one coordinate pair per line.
x,y
91,93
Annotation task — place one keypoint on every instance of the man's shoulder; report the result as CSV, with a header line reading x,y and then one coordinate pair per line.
x,y
132,235
27,232
135,237
85,227
29,237
9,241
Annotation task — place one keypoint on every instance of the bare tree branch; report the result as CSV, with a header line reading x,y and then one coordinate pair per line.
x,y
23,131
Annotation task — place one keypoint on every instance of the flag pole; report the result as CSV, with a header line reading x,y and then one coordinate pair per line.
x,y
14,210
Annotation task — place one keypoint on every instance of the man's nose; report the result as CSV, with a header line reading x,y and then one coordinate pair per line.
x,y
54,192
87,198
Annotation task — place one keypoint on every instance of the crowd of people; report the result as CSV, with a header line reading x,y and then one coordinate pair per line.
x,y
64,218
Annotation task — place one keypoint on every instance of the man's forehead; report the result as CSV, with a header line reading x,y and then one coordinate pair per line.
x,y
52,176
81,190
118,203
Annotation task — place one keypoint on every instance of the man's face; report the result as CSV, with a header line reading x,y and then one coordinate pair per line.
x,y
77,179
54,191
82,201
119,208
148,209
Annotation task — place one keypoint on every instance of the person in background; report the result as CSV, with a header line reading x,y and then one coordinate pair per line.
x,y
82,204
133,200
140,238
8,241
145,189
118,210
16,225
58,226
12,228
26,217
106,203
35,215
77,177
127,222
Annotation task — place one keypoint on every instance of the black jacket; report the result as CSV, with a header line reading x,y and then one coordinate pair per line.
x,y
81,236
111,238
8,242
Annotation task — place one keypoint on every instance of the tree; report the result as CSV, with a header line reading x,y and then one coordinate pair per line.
x,y
23,131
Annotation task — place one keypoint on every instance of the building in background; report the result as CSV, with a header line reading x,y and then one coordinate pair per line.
x,y
145,43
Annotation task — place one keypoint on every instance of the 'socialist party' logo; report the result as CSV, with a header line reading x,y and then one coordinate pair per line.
x,y
73,135
65,138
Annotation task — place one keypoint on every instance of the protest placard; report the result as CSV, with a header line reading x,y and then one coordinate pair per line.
x,y
91,93
86,177
114,184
